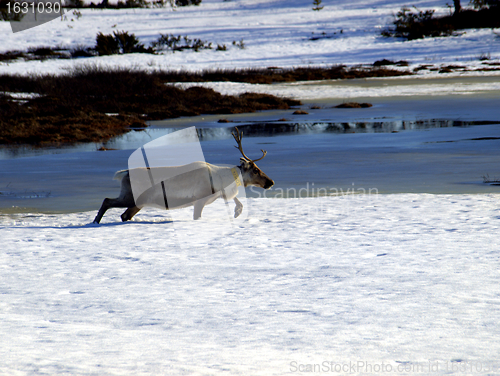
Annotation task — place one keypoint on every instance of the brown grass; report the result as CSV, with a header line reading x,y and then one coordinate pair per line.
x,y
81,106
276,74
354,105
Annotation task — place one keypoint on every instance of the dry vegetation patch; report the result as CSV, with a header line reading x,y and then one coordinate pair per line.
x,y
91,105
276,74
354,105
412,23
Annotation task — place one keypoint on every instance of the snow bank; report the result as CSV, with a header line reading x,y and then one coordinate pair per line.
x,y
402,280
366,88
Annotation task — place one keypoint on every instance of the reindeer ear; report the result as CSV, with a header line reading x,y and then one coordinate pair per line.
x,y
244,162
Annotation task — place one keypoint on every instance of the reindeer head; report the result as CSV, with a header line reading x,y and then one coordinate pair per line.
x,y
252,175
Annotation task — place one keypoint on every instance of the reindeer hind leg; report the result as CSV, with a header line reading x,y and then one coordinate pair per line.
x,y
111,203
129,213
106,204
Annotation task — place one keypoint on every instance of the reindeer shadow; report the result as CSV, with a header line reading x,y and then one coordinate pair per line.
x,y
133,222
100,225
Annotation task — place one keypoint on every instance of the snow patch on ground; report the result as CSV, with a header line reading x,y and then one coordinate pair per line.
x,y
380,88
399,279
275,33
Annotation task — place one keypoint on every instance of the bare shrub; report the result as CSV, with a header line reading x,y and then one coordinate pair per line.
x,y
121,42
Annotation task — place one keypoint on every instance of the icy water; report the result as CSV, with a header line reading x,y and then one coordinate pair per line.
x,y
443,144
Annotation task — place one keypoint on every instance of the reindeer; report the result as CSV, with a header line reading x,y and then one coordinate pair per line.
x,y
188,186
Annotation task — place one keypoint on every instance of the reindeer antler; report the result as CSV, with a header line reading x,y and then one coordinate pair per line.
x,y
237,138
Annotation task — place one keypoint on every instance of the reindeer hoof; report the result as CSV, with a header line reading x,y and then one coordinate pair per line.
x,y
237,212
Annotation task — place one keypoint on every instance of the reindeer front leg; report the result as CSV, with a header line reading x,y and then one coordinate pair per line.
x,y
198,208
201,203
238,209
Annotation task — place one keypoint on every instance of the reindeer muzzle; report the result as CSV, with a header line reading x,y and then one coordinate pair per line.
x,y
269,184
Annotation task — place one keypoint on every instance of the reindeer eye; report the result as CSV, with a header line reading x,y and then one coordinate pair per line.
x,y
255,171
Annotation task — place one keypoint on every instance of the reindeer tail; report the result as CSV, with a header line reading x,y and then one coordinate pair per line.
x,y
120,175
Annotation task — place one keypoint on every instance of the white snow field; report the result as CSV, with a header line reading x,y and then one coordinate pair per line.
x,y
405,282
274,33
361,284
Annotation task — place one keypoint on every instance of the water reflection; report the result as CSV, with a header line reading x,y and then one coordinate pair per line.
x,y
279,128
218,131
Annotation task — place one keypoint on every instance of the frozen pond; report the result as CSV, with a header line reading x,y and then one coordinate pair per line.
x,y
406,144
